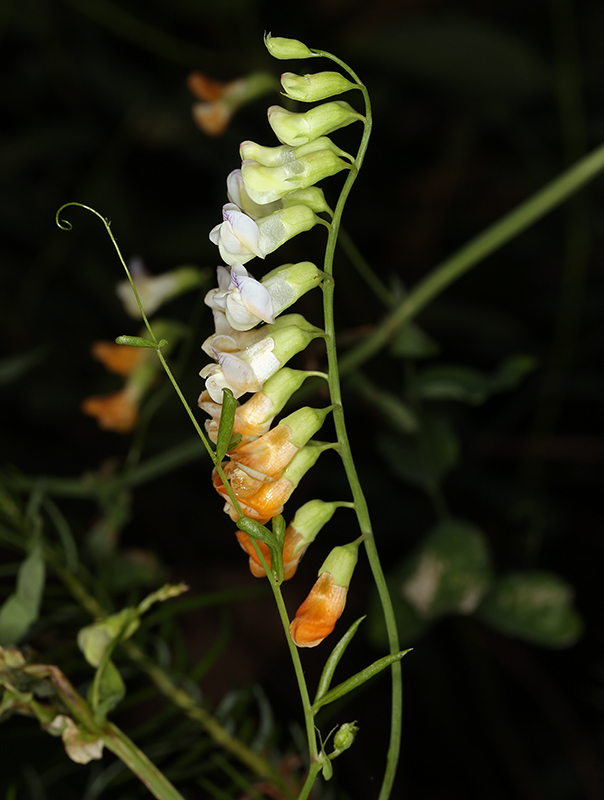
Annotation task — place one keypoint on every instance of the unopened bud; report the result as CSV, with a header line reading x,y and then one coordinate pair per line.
x,y
282,48
294,129
345,736
320,86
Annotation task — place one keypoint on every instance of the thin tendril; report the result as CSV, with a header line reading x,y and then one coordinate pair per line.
x,y
65,225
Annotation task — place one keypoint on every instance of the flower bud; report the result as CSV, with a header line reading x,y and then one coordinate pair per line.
x,y
344,737
310,519
282,48
268,184
283,154
294,129
310,88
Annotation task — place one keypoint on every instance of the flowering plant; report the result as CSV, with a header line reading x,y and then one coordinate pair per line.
x,y
261,450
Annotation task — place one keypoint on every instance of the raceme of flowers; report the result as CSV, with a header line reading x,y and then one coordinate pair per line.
x,y
272,198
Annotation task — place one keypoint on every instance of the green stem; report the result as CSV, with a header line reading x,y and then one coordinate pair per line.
x,y
508,227
360,502
313,772
157,783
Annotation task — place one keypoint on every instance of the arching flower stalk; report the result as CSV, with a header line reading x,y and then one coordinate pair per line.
x,y
273,197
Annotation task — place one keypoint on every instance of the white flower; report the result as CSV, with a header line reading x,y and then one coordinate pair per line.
x,y
237,236
240,371
244,300
240,238
154,290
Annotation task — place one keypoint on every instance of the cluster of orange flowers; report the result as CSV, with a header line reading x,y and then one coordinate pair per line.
x,y
263,470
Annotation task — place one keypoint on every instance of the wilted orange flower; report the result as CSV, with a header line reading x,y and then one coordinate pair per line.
x,y
291,559
317,616
114,412
260,498
118,358
255,474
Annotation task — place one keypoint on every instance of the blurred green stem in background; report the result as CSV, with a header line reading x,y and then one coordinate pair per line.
x,y
494,237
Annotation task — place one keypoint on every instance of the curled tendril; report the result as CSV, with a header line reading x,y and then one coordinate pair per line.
x,y
65,225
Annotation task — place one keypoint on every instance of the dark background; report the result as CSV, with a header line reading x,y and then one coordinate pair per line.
x,y
476,105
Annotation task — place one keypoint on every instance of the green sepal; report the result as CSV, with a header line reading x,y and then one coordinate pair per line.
x,y
357,680
334,658
138,341
227,420
326,766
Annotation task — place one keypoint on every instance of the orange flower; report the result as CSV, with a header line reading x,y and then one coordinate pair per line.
x,y
291,558
317,616
221,100
115,412
118,358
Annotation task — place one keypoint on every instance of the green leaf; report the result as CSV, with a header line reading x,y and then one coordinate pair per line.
x,y
278,526
424,458
136,341
410,341
334,659
450,573
253,528
107,690
97,640
534,606
22,608
227,419
451,382
357,680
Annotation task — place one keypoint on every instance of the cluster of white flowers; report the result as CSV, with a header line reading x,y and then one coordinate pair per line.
x,y
272,198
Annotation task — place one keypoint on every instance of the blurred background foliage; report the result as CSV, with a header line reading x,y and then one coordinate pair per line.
x,y
477,433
